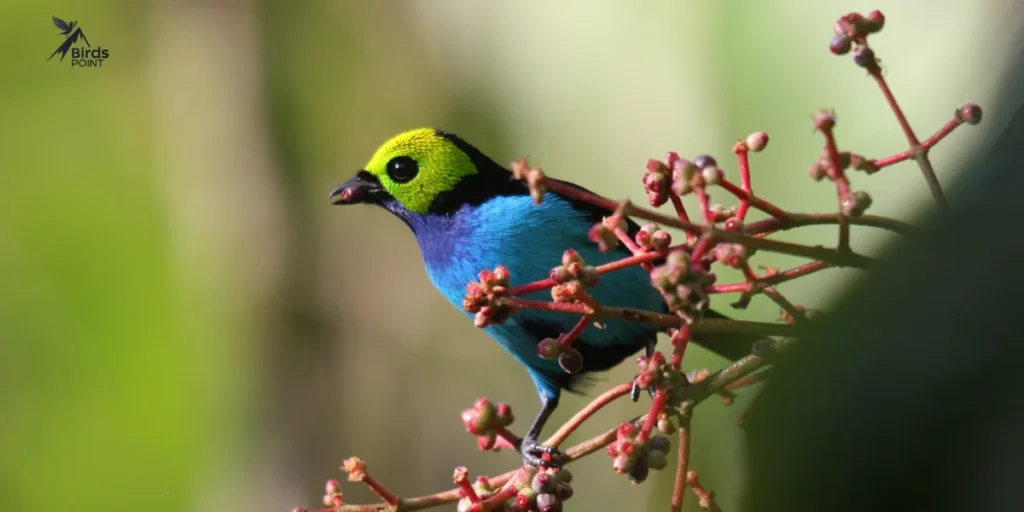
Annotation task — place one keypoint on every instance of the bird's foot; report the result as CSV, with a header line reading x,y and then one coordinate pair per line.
x,y
533,454
634,393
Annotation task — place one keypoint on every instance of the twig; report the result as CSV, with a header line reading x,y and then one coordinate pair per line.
x,y
682,465
595,405
771,279
695,394
705,497
920,153
842,259
704,326
799,220
927,144
756,202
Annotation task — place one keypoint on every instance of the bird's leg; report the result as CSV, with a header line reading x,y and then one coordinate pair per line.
x,y
533,451
635,392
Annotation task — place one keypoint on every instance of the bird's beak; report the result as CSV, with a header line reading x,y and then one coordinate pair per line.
x,y
363,188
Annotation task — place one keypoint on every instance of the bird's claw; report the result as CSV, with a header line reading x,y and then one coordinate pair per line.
x,y
634,393
533,454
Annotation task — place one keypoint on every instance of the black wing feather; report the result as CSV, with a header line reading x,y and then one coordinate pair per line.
x,y
59,23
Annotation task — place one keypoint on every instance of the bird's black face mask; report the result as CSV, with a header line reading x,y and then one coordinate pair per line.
x,y
363,188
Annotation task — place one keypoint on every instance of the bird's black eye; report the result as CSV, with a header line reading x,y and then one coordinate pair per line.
x,y
401,169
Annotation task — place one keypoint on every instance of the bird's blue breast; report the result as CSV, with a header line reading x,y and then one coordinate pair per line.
x,y
530,239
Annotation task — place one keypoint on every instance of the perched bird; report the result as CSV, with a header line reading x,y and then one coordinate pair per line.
x,y
468,213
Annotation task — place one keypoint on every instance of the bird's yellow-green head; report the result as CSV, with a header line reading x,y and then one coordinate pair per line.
x,y
421,171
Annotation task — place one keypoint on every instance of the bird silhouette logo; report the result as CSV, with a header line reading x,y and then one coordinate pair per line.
x,y
72,32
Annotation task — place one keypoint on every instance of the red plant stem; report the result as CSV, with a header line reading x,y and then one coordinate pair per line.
x,y
743,159
705,208
679,343
575,193
842,185
882,163
705,497
599,441
729,288
513,441
506,493
705,326
660,399
381,491
756,202
797,220
575,332
748,272
641,259
677,203
682,467
462,480
529,288
876,73
845,259
755,285
927,144
777,278
784,303
588,300
920,154
633,247
557,307
702,247
584,414
627,241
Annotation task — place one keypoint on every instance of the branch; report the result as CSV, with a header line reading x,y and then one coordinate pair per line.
x,y
704,326
684,275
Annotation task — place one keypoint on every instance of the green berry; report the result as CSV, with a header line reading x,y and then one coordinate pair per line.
x,y
548,349
656,460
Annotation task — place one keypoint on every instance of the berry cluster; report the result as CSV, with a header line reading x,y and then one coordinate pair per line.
x,y
678,176
485,297
486,420
606,233
572,277
635,455
531,490
534,179
682,283
853,29
653,238
568,357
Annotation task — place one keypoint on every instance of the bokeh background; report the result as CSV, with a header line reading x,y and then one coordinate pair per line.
x,y
187,324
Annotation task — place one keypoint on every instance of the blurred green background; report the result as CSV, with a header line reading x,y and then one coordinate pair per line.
x,y
187,324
